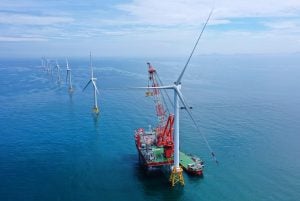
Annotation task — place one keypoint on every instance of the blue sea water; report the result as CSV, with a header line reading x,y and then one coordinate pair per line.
x,y
52,148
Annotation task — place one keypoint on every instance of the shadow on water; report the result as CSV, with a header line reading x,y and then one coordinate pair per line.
x,y
155,182
71,100
96,119
71,105
70,96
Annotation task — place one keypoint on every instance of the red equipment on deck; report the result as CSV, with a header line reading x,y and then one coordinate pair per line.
x,y
165,137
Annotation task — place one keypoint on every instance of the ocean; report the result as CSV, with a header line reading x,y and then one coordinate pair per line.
x,y
53,148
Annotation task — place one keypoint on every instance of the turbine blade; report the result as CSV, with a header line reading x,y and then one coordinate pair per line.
x,y
199,37
86,85
195,123
67,76
67,63
95,87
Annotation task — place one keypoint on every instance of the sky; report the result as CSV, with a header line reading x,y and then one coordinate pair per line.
x,y
147,28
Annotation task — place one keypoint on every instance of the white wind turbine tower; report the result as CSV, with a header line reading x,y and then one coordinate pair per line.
x,y
93,81
69,77
49,67
47,61
58,73
43,63
176,174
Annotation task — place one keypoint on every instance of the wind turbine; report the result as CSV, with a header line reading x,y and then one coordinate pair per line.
x,y
43,63
176,172
69,77
58,73
49,67
47,64
93,81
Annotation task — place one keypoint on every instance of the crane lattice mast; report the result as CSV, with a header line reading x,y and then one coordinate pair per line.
x,y
165,128
157,96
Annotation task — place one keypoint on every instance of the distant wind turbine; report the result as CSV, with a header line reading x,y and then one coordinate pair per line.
x,y
58,73
43,63
47,61
93,81
69,78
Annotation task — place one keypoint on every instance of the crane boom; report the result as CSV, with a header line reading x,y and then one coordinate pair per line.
x,y
165,128
157,96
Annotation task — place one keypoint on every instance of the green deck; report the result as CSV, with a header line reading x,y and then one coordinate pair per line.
x,y
159,155
185,159
159,158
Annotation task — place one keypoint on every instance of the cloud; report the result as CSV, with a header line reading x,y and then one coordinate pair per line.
x,y
257,8
26,19
151,27
170,12
167,12
21,38
288,25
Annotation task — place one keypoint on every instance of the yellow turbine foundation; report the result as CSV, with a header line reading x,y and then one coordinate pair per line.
x,y
176,176
96,110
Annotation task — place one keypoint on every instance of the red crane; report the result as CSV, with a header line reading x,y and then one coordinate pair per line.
x,y
165,128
